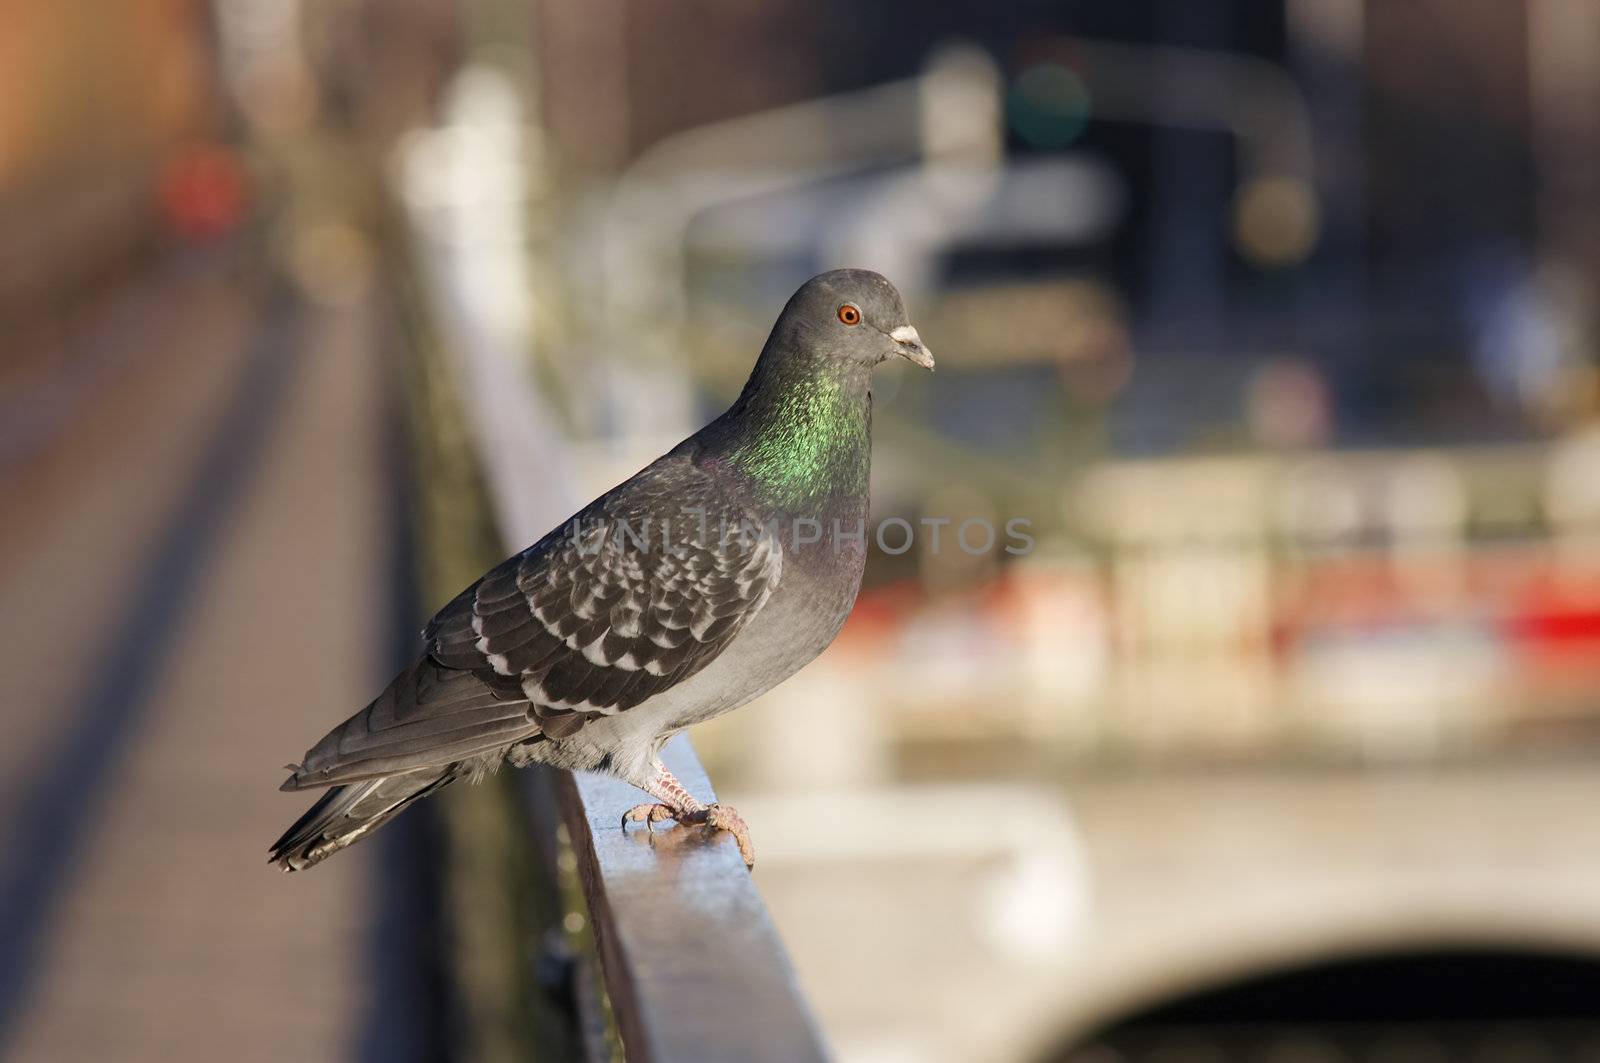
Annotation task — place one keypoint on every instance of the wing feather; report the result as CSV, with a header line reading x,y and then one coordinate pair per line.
x,y
645,587
648,580
429,714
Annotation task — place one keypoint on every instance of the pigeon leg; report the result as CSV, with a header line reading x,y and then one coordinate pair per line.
x,y
676,803
672,801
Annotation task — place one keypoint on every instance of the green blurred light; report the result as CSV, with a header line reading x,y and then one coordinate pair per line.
x,y
1048,105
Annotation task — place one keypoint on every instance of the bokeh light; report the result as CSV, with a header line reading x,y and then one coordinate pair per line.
x,y
1275,221
1048,105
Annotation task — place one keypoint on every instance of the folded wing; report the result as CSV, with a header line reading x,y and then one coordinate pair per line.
x,y
641,590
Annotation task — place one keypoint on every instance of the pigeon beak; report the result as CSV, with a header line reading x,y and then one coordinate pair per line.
x,y
910,347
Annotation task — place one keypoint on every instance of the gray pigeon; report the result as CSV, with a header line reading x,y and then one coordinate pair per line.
x,y
712,575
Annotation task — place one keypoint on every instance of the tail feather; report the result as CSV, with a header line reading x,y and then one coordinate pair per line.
x,y
346,814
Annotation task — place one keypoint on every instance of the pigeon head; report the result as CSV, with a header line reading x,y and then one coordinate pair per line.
x,y
854,315
801,429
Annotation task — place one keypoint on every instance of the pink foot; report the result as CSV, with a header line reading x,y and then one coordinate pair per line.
x,y
723,817
674,802
717,817
649,814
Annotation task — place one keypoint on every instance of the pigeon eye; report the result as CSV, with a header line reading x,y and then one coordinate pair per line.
x,y
850,314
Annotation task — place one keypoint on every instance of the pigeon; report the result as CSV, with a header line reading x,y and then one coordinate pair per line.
x,y
710,576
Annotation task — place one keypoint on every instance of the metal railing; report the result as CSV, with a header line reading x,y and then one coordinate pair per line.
x,y
691,962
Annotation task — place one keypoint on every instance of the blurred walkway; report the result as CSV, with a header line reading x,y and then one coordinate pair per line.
x,y
233,487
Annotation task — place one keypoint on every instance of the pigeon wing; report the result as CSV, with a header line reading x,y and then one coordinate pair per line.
x,y
642,589
637,593
429,715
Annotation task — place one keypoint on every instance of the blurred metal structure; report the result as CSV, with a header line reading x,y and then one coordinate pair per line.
x,y
948,118
950,115
1254,100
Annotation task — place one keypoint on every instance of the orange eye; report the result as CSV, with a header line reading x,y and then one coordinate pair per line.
x,y
850,314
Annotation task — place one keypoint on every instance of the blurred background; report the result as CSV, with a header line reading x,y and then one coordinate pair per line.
x,y
1275,321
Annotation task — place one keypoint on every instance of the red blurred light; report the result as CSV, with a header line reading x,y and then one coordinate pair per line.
x,y
204,192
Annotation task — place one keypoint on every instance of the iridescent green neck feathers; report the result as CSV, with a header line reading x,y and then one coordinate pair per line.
x,y
804,436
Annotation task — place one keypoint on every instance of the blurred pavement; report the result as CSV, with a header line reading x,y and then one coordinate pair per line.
x,y
156,930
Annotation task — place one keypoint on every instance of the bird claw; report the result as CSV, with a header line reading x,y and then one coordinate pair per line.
x,y
723,817
649,813
717,817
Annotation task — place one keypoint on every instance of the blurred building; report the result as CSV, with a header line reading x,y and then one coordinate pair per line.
x,y
93,106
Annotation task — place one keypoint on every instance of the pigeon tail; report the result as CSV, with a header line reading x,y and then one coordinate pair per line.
x,y
346,814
